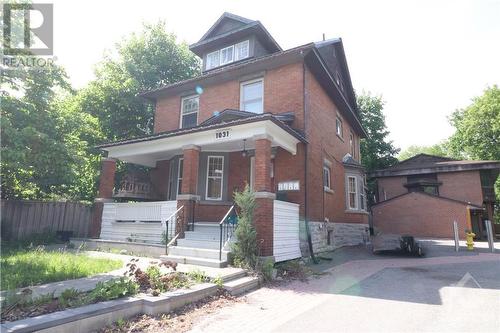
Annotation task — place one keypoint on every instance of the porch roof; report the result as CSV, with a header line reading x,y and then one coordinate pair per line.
x,y
160,146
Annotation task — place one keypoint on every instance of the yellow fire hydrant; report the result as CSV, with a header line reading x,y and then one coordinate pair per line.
x,y
470,239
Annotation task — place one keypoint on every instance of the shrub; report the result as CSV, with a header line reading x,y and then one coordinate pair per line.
x,y
245,247
198,276
113,289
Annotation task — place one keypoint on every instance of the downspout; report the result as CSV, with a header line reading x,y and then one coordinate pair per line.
x,y
306,155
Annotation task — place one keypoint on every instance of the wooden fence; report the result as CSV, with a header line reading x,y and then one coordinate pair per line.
x,y
20,219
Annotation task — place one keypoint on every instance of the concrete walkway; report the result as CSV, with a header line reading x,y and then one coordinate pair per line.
x,y
89,283
376,294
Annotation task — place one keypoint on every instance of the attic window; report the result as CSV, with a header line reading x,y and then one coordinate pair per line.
x,y
228,55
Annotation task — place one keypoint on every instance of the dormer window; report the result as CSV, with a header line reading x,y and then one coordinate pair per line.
x,y
227,55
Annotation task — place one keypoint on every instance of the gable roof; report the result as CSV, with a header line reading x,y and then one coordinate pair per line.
x,y
425,163
239,27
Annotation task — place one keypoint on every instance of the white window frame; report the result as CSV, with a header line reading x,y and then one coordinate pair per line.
x,y
179,178
327,169
215,65
352,146
355,193
221,178
182,109
339,121
245,83
236,55
221,60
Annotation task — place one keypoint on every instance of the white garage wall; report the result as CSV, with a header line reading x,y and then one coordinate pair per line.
x,y
286,243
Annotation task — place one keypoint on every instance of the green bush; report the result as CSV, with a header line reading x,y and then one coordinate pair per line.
x,y
245,247
113,289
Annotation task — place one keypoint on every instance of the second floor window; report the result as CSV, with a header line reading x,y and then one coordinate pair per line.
x,y
326,178
252,96
338,126
189,111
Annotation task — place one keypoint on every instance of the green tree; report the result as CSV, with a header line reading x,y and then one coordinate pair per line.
x,y
143,61
245,247
43,145
477,127
439,149
377,151
477,131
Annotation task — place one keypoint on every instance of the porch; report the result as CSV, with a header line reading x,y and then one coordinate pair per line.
x,y
193,177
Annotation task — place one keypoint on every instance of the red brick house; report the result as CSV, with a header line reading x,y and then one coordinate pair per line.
x,y
423,195
283,121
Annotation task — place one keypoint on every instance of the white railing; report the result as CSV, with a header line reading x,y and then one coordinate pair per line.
x,y
136,222
286,242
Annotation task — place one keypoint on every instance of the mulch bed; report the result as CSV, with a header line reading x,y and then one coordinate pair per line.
x,y
180,320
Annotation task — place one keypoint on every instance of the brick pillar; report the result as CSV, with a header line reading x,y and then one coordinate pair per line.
x,y
159,178
264,195
104,194
189,189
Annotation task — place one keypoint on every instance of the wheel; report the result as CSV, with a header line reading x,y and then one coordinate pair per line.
x,y
419,251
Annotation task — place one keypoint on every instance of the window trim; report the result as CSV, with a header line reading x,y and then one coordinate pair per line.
x,y
337,121
182,109
221,178
220,55
244,83
327,169
247,42
179,178
218,62
355,193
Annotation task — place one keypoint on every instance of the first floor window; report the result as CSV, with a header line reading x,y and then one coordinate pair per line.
x,y
352,192
339,129
326,178
189,111
215,174
252,96
179,175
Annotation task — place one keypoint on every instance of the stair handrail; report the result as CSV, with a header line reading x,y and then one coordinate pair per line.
x,y
173,215
223,237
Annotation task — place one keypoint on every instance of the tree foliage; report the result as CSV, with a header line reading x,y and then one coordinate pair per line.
x,y
44,145
377,151
144,61
477,134
439,149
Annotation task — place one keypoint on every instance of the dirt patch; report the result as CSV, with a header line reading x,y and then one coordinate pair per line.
x,y
180,320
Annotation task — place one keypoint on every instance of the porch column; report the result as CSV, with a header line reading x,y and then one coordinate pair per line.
x,y
264,195
189,193
104,194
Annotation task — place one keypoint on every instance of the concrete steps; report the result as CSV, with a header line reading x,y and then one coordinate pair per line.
x,y
194,261
241,285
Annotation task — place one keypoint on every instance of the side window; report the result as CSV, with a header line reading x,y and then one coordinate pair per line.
x,y
189,111
339,127
241,50
212,60
352,192
252,96
352,144
327,178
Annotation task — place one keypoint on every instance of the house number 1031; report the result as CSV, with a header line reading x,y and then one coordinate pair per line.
x,y
223,134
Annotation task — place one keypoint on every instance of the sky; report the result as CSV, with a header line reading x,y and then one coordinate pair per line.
x,y
425,58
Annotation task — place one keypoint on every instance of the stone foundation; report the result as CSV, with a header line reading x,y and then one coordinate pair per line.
x,y
327,236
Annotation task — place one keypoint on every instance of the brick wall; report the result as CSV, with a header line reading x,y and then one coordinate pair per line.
x,y
325,144
190,171
391,186
420,215
159,178
282,93
464,186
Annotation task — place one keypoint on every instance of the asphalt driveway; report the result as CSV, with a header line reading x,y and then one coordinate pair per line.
x,y
442,292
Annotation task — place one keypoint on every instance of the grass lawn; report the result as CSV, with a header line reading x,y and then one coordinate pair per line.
x,y
23,268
